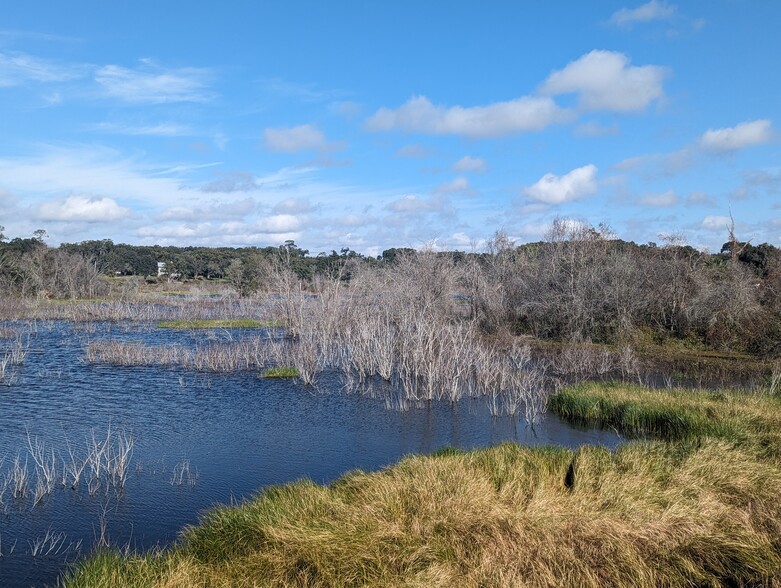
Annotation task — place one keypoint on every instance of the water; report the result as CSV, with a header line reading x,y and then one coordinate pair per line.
x,y
237,433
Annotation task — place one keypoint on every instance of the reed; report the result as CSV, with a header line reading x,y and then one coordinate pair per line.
x,y
182,475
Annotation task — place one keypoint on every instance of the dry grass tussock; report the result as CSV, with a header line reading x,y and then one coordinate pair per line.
x,y
703,511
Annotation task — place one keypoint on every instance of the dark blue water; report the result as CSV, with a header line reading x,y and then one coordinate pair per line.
x,y
238,433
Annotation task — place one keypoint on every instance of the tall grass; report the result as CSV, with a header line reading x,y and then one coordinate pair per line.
x,y
650,514
751,419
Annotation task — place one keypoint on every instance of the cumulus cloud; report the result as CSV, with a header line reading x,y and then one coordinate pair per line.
x,y
151,84
469,164
663,200
605,80
653,10
293,139
82,208
746,134
552,189
279,223
716,223
419,115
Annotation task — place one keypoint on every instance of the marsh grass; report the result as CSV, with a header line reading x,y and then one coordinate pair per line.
x,y
649,514
752,419
280,372
698,508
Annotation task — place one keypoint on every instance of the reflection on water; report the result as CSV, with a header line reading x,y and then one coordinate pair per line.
x,y
198,439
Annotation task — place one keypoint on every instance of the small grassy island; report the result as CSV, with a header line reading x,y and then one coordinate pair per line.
x,y
693,504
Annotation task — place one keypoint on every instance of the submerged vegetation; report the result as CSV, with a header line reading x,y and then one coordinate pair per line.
x,y
219,324
701,511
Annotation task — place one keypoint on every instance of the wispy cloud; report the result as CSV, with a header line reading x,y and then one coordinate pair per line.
x,y
412,203
236,181
152,84
18,68
153,130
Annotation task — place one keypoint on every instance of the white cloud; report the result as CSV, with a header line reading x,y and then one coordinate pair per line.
x,y
553,189
419,115
604,80
663,200
292,139
716,223
279,223
158,130
169,232
82,208
745,134
653,10
469,164
222,209
152,85
18,68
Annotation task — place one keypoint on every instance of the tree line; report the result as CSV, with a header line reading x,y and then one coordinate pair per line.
x,y
580,283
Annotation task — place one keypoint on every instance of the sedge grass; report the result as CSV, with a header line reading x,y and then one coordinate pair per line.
x,y
701,510
752,419
280,372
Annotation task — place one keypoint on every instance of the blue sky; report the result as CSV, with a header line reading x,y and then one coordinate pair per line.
x,y
403,124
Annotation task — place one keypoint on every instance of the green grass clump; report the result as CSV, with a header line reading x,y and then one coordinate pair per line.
x,y
702,511
747,419
219,324
280,372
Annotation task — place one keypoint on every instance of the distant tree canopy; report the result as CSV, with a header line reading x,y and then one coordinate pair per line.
x,y
579,283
